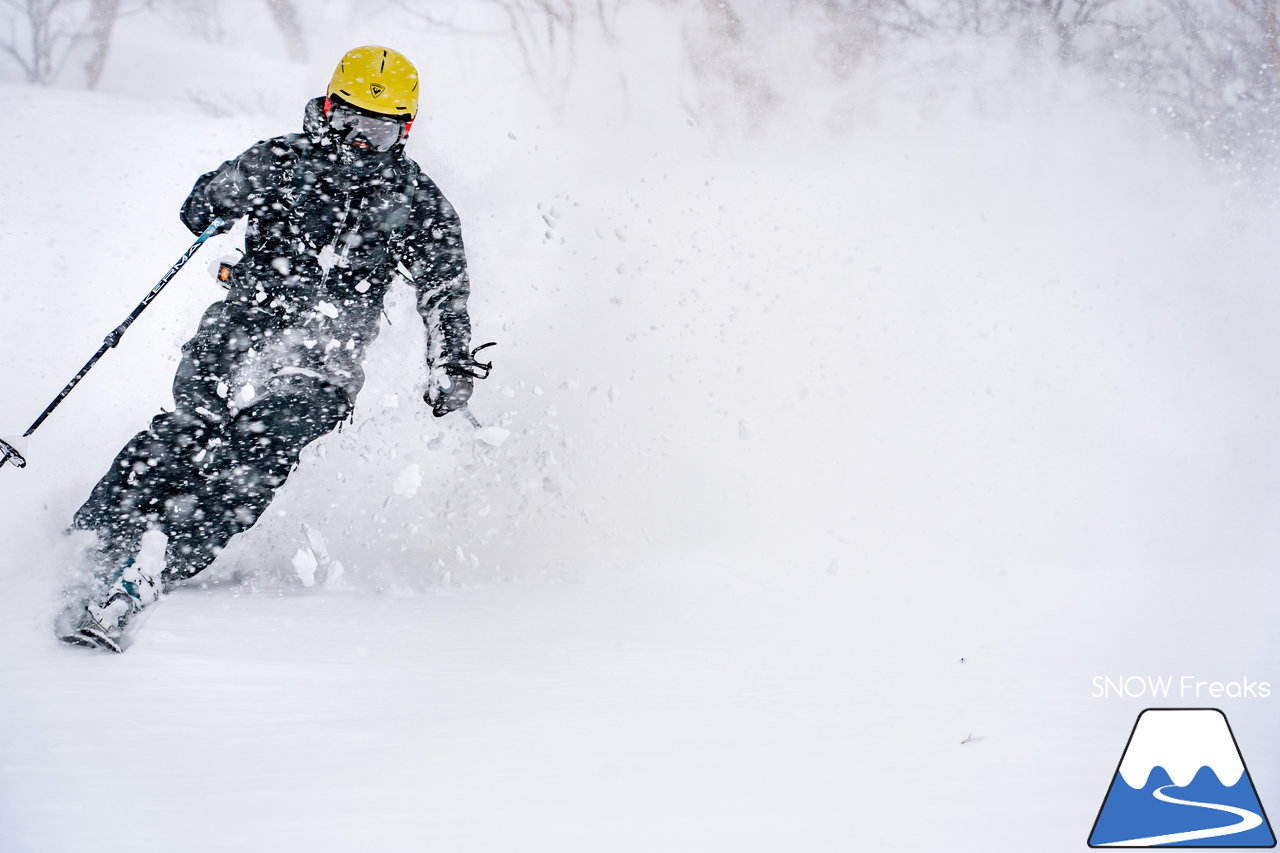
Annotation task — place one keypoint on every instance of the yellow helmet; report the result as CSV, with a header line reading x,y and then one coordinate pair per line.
x,y
377,79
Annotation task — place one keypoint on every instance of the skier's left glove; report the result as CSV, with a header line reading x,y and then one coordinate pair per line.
x,y
448,393
451,384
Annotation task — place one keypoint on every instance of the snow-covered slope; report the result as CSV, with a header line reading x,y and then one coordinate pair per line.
x,y
839,465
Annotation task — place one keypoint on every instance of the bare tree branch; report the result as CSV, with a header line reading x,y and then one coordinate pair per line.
x,y
286,19
102,19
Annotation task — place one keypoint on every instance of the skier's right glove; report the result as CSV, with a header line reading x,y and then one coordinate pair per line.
x,y
223,268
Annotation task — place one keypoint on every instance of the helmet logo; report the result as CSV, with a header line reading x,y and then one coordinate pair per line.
x,y
376,89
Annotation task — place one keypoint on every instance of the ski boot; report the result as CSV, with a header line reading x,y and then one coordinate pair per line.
x,y
102,620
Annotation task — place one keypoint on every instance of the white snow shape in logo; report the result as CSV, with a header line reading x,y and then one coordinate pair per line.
x,y
1181,741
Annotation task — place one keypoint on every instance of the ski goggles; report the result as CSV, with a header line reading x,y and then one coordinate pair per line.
x,y
354,127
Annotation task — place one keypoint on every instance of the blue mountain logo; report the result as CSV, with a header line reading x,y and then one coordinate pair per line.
x,y
1182,783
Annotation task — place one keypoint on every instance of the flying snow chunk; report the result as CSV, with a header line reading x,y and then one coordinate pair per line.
x,y
304,565
408,481
313,563
492,435
150,557
328,258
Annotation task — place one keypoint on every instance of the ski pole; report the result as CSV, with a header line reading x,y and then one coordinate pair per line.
x,y
8,453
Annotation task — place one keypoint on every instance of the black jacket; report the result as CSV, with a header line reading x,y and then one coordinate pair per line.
x,y
325,239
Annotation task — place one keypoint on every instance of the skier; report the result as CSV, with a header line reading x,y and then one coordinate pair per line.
x,y
334,213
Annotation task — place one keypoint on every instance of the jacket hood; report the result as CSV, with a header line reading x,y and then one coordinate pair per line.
x,y
314,123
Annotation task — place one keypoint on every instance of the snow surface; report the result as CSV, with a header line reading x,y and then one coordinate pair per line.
x,y
842,457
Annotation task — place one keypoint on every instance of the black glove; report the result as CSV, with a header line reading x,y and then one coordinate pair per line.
x,y
450,393
452,388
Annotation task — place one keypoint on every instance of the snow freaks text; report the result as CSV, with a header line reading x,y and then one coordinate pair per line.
x,y
1177,687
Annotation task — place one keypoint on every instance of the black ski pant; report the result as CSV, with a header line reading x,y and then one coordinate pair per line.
x,y
202,482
